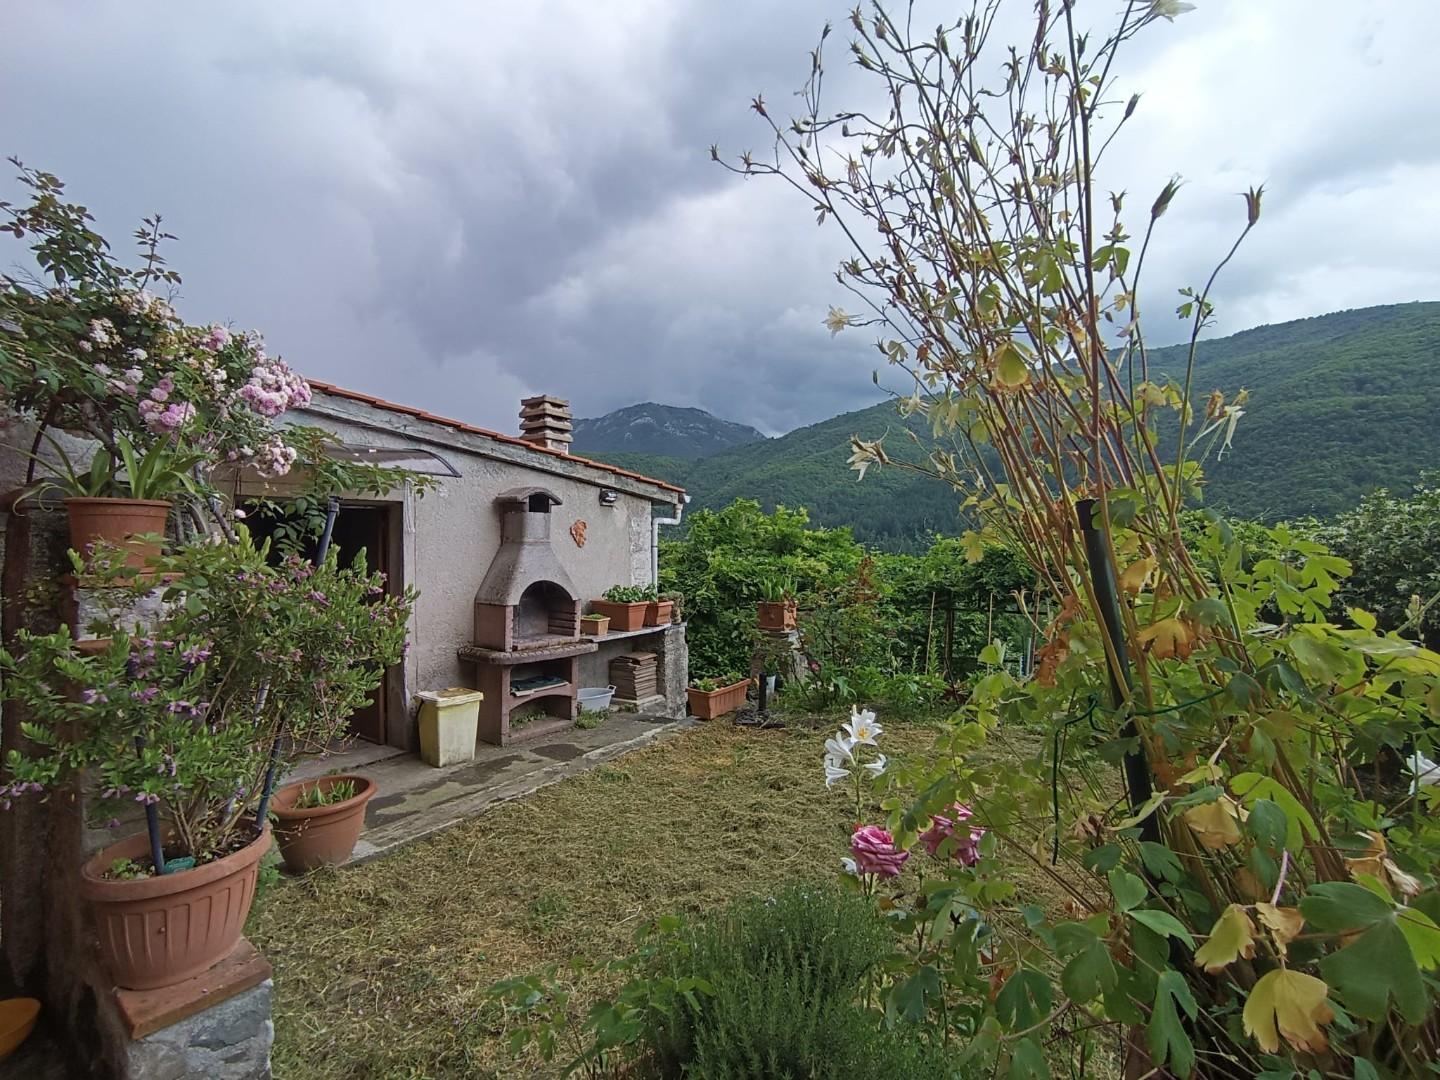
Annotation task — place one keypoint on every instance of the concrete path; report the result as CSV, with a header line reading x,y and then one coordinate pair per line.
x,y
416,800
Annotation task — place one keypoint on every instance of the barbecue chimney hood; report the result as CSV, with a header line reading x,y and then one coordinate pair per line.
x,y
526,596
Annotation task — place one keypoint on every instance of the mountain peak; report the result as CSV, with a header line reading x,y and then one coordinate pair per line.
x,y
675,431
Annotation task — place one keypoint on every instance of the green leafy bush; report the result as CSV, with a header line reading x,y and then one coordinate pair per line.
x,y
857,608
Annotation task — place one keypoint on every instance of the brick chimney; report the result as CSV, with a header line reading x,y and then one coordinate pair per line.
x,y
545,421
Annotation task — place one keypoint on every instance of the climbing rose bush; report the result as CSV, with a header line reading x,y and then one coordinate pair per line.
x,y
94,348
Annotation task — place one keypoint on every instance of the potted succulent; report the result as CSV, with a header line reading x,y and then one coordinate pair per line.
x,y
626,605
677,605
246,665
777,610
714,697
318,821
595,625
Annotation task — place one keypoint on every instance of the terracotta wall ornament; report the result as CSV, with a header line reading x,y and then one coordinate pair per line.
x,y
577,533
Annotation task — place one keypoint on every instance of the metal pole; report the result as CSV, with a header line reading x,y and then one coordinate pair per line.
x,y
1137,770
152,821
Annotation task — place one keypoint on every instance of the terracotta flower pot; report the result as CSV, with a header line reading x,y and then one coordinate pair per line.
x,y
117,521
595,625
320,835
17,1020
711,704
776,615
622,616
657,612
157,931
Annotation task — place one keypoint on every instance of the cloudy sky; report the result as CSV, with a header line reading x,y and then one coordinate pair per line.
x,y
457,202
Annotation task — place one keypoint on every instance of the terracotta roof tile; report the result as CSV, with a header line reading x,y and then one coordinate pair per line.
x,y
470,429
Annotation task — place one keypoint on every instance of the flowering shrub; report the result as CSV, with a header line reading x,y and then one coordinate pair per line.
x,y
874,852
95,350
1262,899
181,714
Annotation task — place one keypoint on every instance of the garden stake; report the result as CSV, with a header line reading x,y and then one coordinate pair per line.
x,y
152,820
1137,770
332,509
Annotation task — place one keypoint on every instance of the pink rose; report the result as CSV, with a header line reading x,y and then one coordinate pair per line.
x,y
943,827
874,851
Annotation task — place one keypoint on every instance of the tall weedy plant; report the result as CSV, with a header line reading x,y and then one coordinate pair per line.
x,y
1264,902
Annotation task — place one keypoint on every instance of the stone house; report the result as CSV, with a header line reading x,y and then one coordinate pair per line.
x,y
603,526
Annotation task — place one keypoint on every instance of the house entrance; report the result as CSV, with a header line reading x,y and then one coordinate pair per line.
x,y
366,532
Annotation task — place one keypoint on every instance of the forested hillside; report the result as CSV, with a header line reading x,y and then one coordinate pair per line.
x,y
1340,404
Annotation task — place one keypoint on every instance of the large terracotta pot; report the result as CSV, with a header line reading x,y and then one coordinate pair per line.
x,y
320,835
161,930
116,521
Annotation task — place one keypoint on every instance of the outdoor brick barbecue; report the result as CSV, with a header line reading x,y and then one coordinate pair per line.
x,y
527,625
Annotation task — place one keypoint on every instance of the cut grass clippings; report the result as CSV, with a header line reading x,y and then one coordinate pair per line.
x,y
381,970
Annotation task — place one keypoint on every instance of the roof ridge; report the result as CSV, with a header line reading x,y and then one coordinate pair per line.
x,y
471,429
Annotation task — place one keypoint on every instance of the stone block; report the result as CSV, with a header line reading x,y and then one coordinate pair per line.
x,y
229,1041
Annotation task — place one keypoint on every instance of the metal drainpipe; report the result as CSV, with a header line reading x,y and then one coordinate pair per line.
x,y
655,538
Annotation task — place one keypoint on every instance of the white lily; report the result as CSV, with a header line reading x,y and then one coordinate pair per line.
x,y
1168,9
839,749
834,771
1426,773
876,767
861,727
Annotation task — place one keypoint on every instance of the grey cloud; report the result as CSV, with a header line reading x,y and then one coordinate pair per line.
x,y
453,204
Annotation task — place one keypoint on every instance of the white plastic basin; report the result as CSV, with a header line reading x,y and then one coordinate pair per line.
x,y
595,698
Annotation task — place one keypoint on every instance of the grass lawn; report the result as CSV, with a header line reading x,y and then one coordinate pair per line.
x,y
381,970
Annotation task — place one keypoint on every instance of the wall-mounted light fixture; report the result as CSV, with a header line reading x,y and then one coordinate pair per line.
x,y
609,496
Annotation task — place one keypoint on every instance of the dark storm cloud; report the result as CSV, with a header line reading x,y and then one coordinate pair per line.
x,y
454,204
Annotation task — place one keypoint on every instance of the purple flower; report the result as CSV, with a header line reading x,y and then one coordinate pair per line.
x,y
93,697
195,654
146,696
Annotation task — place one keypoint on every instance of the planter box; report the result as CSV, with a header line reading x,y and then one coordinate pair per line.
x,y
657,613
595,625
448,723
776,615
622,616
710,704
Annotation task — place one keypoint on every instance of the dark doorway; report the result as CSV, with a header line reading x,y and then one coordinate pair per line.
x,y
362,533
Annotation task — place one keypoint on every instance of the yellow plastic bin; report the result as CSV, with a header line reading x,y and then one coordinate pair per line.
x,y
448,722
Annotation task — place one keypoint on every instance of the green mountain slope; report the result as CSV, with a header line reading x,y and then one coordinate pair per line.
x,y
1340,404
